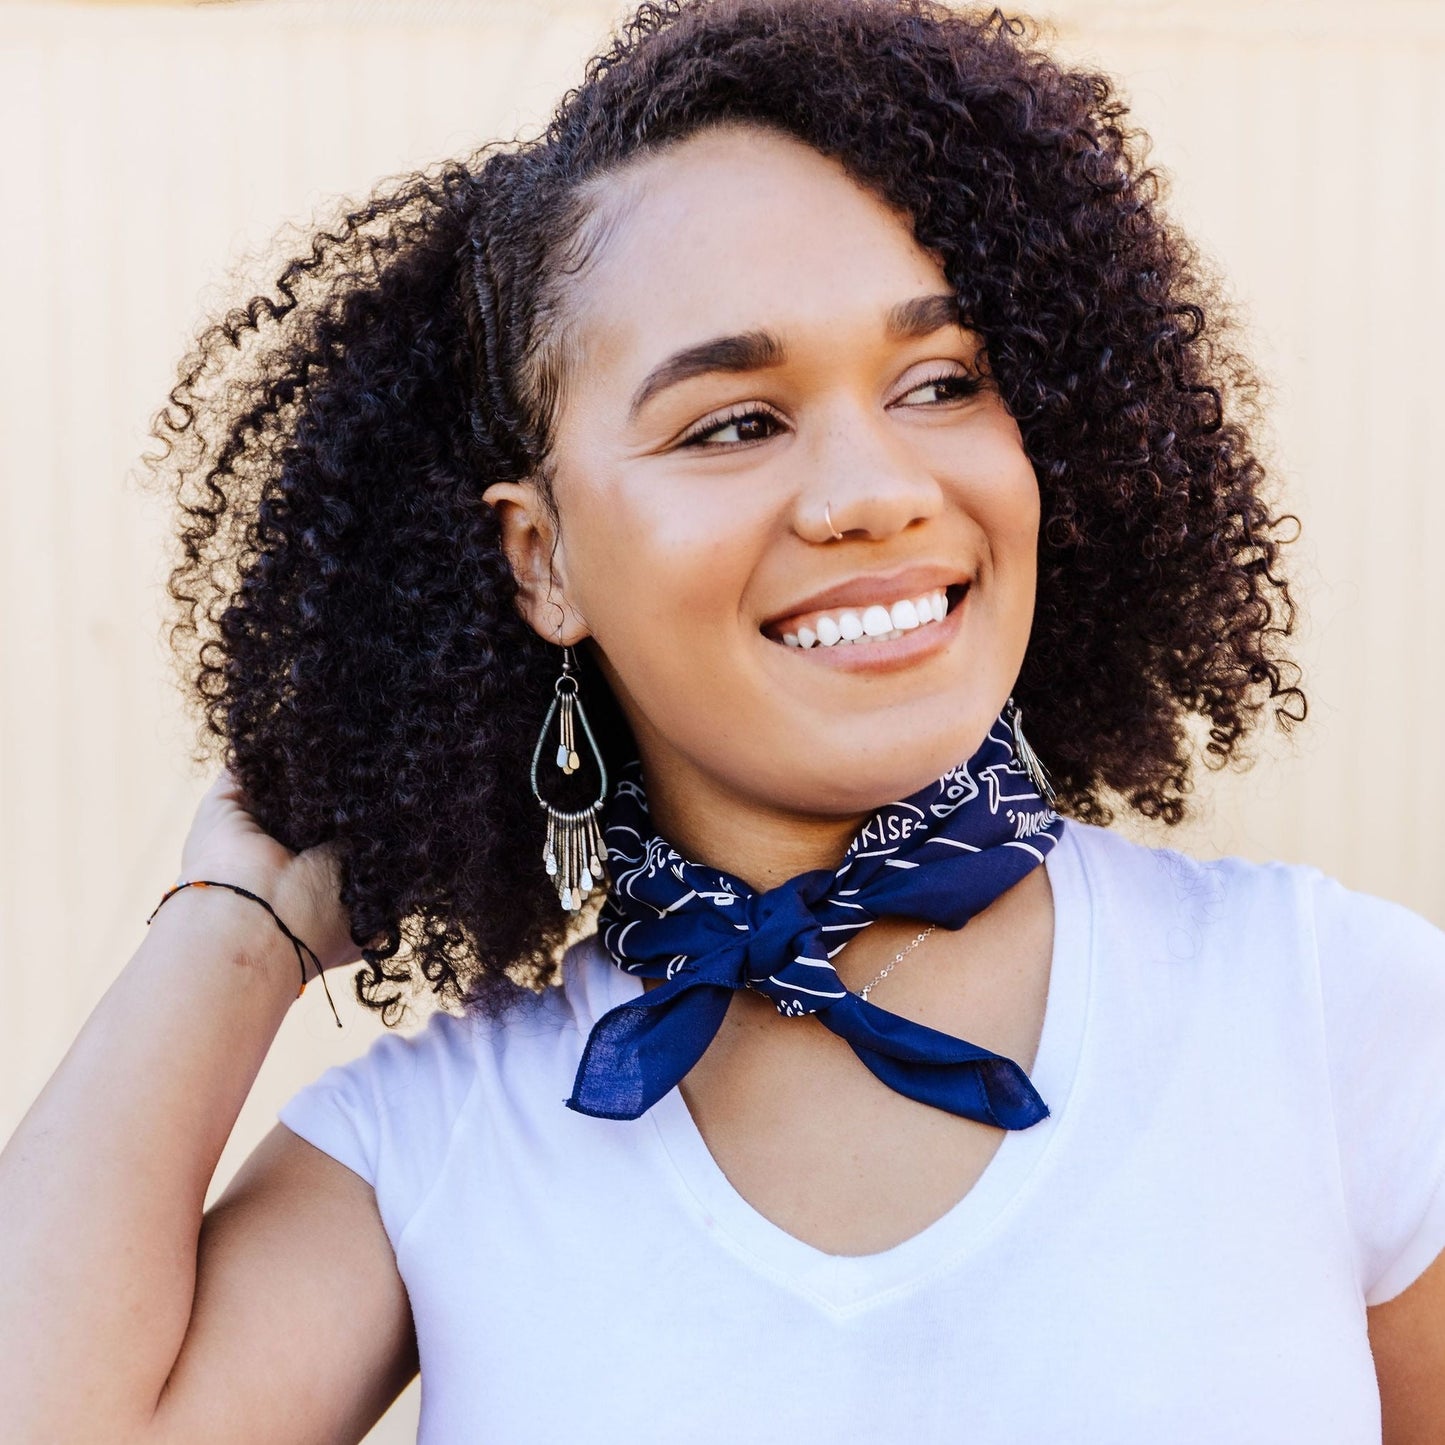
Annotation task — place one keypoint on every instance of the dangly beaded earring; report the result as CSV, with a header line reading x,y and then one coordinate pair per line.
x,y
574,854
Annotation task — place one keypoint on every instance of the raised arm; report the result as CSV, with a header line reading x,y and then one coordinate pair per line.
x,y
118,1296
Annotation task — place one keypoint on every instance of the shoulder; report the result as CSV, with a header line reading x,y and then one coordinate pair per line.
x,y
1289,967
1252,906
431,1061
1163,886
1371,956
421,1077
434,1064
393,1113
1381,992
409,1083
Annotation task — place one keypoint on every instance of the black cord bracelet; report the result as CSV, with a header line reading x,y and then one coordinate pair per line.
x,y
296,943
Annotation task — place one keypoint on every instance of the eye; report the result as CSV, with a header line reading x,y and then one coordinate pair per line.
x,y
955,386
748,422
742,420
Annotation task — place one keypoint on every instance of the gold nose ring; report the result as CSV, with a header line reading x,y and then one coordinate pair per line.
x,y
828,517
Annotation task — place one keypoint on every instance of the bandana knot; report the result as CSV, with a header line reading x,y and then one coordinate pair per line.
x,y
784,956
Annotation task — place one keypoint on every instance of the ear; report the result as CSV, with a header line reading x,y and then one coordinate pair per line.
x,y
532,547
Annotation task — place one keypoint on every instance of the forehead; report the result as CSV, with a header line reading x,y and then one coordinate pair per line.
x,y
738,228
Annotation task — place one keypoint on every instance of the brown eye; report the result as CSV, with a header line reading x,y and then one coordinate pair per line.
x,y
954,386
745,423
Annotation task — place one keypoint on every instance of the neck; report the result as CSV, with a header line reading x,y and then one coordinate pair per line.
x,y
757,842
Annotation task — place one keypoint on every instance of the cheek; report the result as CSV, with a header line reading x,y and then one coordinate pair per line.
x,y
1007,504
656,568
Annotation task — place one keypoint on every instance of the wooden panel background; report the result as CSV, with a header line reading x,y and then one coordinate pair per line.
x,y
146,150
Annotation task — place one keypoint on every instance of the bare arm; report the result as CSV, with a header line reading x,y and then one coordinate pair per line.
x,y
112,1283
302,1329
1407,1337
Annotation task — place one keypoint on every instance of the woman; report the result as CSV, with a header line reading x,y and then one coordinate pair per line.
x,y
730,471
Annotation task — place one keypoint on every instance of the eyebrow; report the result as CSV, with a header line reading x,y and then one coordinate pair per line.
x,y
909,320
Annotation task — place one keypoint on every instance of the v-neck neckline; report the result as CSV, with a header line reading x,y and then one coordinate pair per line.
x,y
846,1284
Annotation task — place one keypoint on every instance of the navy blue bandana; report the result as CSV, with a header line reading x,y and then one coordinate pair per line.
x,y
941,855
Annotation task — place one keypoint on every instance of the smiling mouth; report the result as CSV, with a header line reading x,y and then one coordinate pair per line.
x,y
862,626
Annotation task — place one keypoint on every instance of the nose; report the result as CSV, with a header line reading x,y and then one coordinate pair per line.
x,y
864,477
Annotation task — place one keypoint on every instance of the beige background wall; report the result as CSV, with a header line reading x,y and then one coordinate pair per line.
x,y
144,149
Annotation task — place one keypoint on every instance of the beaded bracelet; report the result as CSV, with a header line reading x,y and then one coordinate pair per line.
x,y
295,942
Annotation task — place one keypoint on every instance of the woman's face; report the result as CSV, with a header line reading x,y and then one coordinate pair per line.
x,y
766,348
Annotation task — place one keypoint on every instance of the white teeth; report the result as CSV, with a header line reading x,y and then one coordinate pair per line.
x,y
904,615
876,623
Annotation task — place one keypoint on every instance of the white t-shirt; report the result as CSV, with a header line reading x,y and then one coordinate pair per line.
x,y
1245,1148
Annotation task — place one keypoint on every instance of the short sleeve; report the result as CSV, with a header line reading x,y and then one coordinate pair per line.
x,y
1382,978
388,1115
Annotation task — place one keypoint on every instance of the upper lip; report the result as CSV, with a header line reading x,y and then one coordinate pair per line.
x,y
872,587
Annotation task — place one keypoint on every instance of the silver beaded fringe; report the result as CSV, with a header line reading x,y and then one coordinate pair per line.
x,y
574,853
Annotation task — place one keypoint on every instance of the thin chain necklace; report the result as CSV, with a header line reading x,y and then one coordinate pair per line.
x,y
902,954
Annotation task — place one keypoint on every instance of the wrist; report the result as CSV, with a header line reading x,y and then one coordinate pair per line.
x,y
234,925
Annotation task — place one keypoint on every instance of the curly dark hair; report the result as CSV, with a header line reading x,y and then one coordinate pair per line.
x,y
347,620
